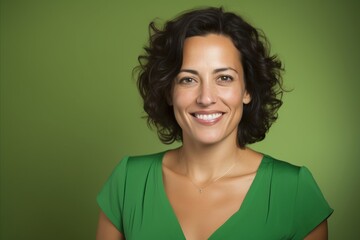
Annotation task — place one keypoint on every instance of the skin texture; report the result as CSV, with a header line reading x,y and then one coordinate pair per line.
x,y
319,233
208,96
106,230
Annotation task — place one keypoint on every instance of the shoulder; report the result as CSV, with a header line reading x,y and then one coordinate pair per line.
x,y
134,171
293,188
289,175
146,159
139,163
281,166
286,172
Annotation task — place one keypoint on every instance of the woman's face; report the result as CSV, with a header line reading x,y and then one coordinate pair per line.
x,y
209,91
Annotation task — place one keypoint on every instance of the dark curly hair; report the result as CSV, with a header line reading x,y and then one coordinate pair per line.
x,y
162,60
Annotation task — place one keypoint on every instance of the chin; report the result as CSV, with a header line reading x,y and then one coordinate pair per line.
x,y
210,136
209,139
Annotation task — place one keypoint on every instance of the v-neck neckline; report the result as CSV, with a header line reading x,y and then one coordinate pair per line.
x,y
235,215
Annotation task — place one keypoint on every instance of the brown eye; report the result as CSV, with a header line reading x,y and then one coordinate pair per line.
x,y
225,78
186,80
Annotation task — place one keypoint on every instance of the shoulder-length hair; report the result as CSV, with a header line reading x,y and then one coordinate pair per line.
x,y
162,60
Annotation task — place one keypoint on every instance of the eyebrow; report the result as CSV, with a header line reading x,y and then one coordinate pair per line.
x,y
215,71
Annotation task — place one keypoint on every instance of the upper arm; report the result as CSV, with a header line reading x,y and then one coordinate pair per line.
x,y
319,233
311,208
106,230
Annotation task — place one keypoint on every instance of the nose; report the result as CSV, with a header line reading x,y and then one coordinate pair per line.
x,y
207,94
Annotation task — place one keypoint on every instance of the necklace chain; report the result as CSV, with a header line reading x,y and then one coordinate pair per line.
x,y
201,189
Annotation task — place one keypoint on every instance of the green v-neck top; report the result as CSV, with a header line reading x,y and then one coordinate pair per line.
x,y
283,202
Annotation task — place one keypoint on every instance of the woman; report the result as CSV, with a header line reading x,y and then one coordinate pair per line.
x,y
207,80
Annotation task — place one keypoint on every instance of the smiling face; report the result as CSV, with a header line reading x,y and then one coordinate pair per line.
x,y
209,91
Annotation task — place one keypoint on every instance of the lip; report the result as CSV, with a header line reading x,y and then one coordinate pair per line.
x,y
207,118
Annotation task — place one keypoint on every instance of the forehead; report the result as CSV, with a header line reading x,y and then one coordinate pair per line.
x,y
210,48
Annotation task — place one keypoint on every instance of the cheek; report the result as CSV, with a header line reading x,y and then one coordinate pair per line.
x,y
179,103
181,99
180,113
233,97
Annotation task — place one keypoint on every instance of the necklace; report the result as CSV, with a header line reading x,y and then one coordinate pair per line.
x,y
201,189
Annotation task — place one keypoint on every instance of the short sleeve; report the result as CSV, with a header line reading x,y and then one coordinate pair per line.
x,y
111,197
311,207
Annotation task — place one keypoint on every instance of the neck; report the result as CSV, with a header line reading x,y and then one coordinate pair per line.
x,y
205,162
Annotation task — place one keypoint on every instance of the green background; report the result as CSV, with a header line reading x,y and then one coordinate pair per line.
x,y
70,109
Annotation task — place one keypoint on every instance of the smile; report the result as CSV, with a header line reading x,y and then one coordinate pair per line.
x,y
208,117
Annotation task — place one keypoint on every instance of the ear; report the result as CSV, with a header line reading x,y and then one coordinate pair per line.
x,y
246,98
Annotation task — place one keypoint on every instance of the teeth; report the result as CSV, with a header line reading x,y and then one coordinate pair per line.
x,y
208,117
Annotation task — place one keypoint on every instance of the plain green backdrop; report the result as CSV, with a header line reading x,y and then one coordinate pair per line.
x,y
70,109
